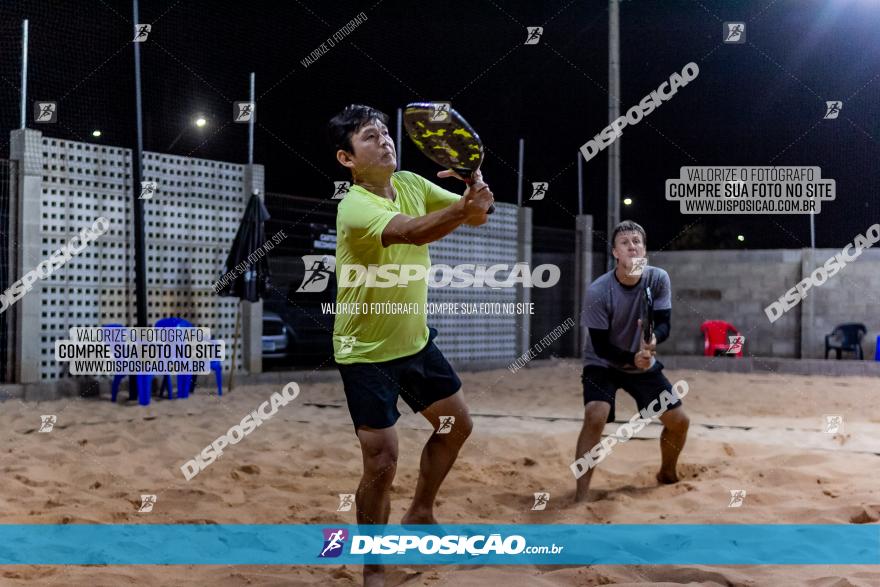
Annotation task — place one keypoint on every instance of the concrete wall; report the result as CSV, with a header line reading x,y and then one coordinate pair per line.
x,y
190,223
736,286
853,295
481,340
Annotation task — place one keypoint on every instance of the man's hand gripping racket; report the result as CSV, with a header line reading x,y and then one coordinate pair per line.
x,y
445,137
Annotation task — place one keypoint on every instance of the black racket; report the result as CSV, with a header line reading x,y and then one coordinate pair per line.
x,y
445,137
648,316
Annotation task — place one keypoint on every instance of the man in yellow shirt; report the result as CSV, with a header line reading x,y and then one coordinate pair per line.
x,y
387,219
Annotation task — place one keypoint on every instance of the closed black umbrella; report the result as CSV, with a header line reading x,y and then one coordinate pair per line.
x,y
247,266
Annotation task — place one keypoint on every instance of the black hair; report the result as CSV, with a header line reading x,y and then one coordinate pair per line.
x,y
628,226
348,122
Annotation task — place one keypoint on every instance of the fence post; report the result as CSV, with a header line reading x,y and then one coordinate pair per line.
x,y
523,294
805,313
26,244
252,312
583,264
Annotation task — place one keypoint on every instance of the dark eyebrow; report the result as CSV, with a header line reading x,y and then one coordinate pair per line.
x,y
367,128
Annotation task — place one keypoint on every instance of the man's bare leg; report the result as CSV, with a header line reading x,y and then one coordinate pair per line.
x,y
672,439
438,456
595,415
373,497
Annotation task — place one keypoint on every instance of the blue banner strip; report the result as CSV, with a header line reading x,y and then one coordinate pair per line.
x,y
556,544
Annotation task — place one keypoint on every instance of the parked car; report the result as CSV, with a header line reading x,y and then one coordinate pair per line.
x,y
278,337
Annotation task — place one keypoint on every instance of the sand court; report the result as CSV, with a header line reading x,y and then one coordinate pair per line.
x,y
762,434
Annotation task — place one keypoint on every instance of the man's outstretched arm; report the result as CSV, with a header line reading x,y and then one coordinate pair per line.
x,y
470,209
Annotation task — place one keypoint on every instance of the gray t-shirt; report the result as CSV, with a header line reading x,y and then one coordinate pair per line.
x,y
610,305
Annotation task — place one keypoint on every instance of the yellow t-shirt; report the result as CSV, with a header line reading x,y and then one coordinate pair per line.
x,y
367,337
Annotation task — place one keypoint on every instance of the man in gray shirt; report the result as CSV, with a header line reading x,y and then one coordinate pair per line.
x,y
617,356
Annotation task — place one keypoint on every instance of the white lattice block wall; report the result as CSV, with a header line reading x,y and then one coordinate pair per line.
x,y
190,223
472,338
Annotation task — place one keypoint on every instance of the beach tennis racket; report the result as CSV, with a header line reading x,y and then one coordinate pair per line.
x,y
648,316
445,137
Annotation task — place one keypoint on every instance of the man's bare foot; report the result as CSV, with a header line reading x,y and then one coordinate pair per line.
x,y
410,518
667,477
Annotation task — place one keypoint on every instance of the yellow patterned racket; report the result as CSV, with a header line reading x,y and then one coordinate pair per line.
x,y
445,137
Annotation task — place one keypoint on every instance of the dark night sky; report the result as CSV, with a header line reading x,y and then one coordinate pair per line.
x,y
757,103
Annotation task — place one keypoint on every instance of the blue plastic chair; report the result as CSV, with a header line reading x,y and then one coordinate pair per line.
x,y
217,368
143,383
184,380
846,337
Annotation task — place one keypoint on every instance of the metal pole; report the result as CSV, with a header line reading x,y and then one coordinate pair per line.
x,y
251,123
580,184
399,138
519,179
613,113
140,252
24,64
580,236
234,346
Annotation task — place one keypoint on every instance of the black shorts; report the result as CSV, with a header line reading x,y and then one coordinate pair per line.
x,y
372,389
601,385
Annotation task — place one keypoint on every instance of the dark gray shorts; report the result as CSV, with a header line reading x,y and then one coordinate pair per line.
x,y
601,385
372,389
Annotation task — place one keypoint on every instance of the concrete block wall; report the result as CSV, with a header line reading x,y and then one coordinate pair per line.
x,y
469,339
736,286
853,295
190,223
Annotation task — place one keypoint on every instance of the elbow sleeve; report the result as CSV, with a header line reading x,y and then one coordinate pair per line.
x,y
605,350
662,324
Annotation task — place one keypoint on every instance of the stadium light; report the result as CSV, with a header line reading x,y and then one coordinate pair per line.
x,y
200,121
96,133
627,201
740,238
